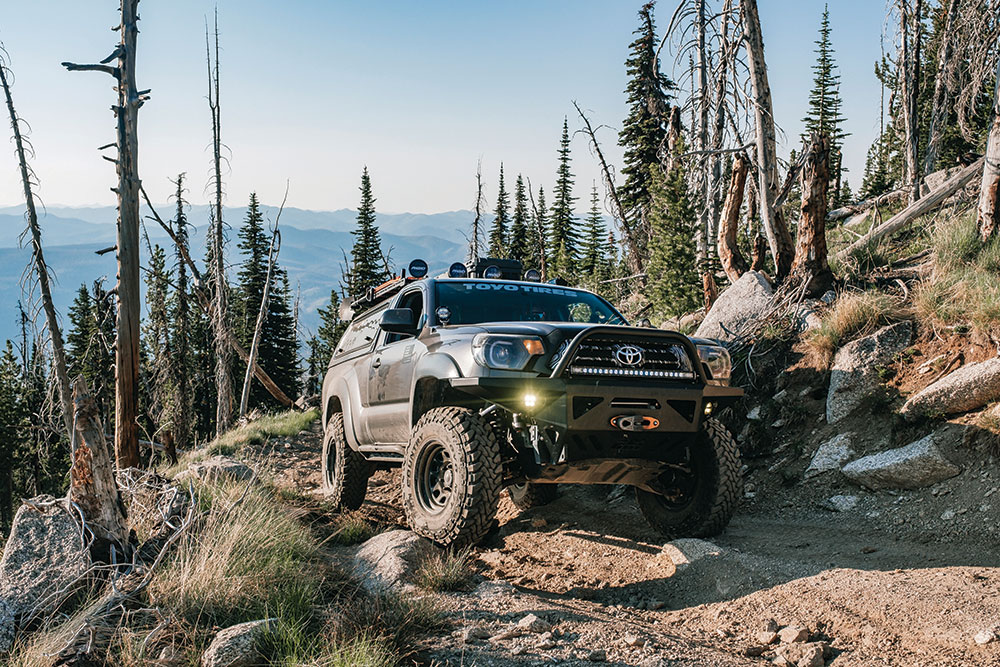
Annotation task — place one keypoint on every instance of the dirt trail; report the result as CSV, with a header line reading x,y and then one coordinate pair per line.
x,y
883,584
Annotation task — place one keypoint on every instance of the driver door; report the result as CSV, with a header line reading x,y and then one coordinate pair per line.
x,y
390,378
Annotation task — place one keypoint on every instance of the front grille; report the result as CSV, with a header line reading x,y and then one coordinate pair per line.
x,y
652,358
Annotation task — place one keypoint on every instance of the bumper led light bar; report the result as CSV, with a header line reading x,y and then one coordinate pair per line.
x,y
631,372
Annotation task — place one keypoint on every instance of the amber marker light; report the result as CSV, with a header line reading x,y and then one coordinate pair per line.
x,y
533,346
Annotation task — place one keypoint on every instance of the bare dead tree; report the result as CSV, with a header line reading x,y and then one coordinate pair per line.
x,y
810,262
988,215
272,257
634,256
475,240
909,83
778,237
942,89
733,262
220,286
37,255
130,99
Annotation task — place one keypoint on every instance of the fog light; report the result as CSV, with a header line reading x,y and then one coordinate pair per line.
x,y
530,400
708,409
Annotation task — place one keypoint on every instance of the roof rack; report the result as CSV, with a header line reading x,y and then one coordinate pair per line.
x,y
418,269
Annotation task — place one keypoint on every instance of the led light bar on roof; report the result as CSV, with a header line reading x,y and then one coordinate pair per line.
x,y
631,372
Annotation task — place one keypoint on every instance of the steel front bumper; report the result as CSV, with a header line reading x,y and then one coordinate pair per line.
x,y
605,431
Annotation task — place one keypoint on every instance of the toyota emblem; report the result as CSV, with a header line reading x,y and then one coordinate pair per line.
x,y
629,355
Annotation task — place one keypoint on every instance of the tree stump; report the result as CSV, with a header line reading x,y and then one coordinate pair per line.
x,y
810,251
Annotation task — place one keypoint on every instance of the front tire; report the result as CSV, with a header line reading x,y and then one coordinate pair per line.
x,y
345,471
701,501
452,476
527,495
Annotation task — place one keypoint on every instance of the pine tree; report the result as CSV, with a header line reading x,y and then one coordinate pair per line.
x,y
182,368
673,285
643,132
367,267
562,224
593,263
331,328
519,228
90,344
13,414
498,233
825,104
536,240
156,378
277,350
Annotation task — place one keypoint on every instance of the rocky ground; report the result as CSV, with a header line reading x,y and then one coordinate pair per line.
x,y
810,572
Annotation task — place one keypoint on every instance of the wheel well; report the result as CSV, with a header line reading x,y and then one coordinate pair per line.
x,y
333,406
430,393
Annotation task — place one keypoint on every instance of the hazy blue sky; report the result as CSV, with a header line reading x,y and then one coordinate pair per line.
x,y
418,91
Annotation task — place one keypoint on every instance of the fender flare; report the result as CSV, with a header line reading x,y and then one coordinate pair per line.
x,y
435,366
337,389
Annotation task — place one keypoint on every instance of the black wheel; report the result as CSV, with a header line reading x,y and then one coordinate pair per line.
x,y
527,495
700,495
345,471
452,476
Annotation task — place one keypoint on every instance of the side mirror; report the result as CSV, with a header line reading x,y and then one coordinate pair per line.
x,y
645,323
399,320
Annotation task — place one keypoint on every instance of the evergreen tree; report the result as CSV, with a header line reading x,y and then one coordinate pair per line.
x,y
520,228
277,349
825,104
498,233
367,268
592,260
673,285
562,224
182,369
536,243
90,344
156,343
643,133
13,413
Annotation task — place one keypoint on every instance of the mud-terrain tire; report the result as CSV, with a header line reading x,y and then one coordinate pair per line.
x,y
527,495
452,476
345,471
718,488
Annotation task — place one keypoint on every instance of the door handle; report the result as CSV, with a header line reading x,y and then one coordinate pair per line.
x,y
377,362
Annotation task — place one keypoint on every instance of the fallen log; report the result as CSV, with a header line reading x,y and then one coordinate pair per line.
x,y
923,205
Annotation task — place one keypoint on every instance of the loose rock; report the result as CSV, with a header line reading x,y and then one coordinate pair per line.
x,y
970,387
793,633
390,560
533,623
685,551
474,633
767,637
841,503
217,468
916,465
236,646
854,373
597,655
800,655
736,307
985,637
831,455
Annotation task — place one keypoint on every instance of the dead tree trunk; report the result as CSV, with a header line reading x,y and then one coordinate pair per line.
x,y
988,218
220,294
910,72
939,102
732,259
778,237
127,163
709,289
758,252
92,478
810,252
38,258
476,221
700,131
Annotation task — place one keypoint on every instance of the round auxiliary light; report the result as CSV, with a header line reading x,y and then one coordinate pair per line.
x,y
492,272
533,276
457,270
417,268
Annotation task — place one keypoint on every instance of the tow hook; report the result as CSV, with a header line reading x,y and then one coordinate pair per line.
x,y
635,422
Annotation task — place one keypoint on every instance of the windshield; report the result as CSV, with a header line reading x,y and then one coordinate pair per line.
x,y
475,302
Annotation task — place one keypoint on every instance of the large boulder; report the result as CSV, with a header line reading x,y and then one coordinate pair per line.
x,y
44,559
236,646
831,455
390,560
970,387
217,469
914,466
743,302
854,375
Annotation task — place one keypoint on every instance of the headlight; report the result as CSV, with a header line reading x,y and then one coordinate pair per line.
x,y
510,353
716,359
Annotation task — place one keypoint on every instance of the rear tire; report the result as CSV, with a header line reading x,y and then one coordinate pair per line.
x,y
452,476
527,495
345,471
714,490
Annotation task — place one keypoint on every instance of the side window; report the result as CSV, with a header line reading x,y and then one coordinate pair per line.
x,y
414,301
361,332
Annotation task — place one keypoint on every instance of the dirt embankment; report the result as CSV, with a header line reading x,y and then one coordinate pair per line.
x,y
902,578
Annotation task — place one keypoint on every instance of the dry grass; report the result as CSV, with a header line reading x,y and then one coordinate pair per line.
x,y
964,290
445,571
853,315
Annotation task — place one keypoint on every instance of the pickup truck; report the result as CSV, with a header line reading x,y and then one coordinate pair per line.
x,y
476,385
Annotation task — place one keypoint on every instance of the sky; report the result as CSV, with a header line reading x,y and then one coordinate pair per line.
x,y
420,92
